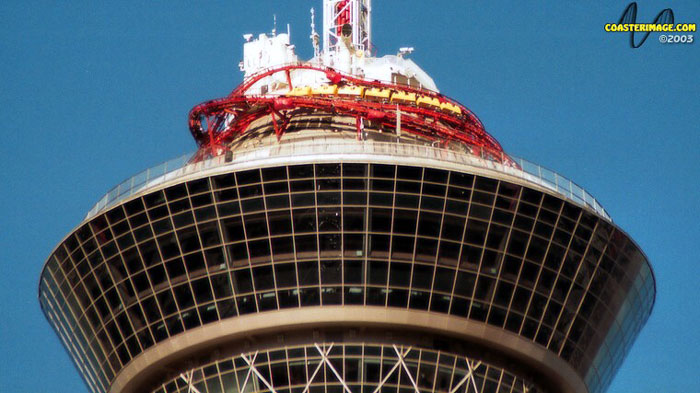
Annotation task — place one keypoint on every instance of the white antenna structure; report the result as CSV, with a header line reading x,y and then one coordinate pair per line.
x,y
315,38
355,13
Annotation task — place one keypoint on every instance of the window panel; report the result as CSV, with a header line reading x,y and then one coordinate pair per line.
x,y
263,278
378,272
354,271
162,226
183,219
277,202
285,273
331,272
274,173
381,199
440,303
328,198
354,170
402,247
157,275
309,297
409,187
429,224
226,195
332,295
194,262
304,199
246,304
242,281
431,203
426,249
376,296
382,171
380,220
400,274
308,273
215,257
248,177
443,280
422,276
288,298
304,220
183,294
252,205
419,300
354,295
224,181
329,219
378,245
354,245
497,237
259,251
306,246
202,290
237,254
267,301
449,253
407,201
205,213
201,200
279,187
397,298
221,283
382,185
475,232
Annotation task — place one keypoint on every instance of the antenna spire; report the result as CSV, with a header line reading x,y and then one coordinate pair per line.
x,y
315,38
341,17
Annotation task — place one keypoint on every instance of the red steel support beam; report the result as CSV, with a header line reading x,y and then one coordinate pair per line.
x,y
212,127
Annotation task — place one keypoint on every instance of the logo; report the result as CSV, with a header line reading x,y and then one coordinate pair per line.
x,y
664,22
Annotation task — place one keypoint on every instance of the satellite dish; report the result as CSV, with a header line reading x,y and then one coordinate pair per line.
x,y
346,30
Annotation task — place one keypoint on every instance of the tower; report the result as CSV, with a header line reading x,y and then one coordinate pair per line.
x,y
344,227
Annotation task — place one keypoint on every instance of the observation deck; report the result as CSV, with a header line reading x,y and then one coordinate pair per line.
x,y
556,274
337,149
345,228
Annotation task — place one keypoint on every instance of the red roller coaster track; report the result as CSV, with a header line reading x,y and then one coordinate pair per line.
x,y
215,123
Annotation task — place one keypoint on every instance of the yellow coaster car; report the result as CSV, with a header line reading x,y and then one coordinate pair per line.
x,y
325,90
380,94
426,101
300,91
403,97
451,108
355,91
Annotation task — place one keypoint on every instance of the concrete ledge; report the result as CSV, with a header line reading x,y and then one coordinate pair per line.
x,y
152,361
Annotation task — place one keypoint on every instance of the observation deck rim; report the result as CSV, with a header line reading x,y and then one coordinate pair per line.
x,y
164,173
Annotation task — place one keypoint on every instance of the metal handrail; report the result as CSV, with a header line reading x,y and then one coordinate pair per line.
x,y
180,166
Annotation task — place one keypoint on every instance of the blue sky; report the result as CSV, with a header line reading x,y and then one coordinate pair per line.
x,y
93,92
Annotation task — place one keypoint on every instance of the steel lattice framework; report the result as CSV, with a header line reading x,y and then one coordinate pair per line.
x,y
324,349
215,123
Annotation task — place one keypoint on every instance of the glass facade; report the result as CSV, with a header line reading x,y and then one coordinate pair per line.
x,y
346,234
351,368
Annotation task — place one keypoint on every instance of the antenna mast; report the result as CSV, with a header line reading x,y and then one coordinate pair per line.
x,y
314,36
356,14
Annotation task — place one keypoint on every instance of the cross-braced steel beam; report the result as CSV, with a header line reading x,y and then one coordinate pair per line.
x,y
257,373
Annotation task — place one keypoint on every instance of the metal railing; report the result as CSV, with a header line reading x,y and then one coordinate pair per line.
x,y
315,146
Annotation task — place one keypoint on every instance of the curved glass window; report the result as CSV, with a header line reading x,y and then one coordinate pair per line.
x,y
350,234
347,367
